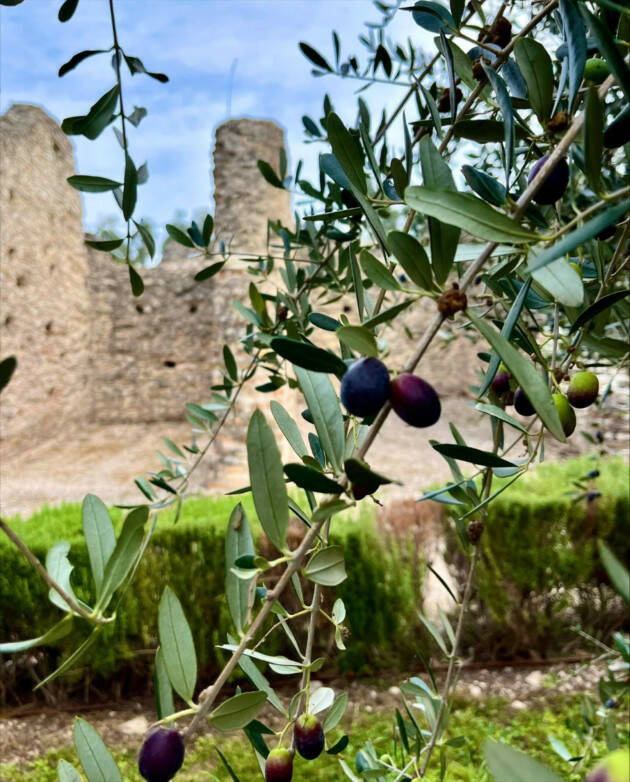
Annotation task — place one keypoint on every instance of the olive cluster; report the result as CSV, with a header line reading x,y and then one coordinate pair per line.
x,y
366,388
581,392
309,740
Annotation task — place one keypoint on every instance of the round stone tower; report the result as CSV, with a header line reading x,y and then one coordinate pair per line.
x,y
244,201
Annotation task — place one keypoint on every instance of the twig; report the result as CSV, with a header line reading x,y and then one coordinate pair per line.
x,y
72,603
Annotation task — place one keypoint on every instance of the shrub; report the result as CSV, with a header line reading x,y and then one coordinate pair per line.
x,y
189,556
540,571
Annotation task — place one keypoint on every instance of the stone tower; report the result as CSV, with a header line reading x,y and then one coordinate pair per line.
x,y
244,201
43,268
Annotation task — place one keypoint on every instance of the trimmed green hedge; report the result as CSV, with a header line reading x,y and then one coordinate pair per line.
x,y
189,556
540,573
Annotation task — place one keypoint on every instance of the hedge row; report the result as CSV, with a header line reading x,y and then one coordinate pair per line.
x,y
539,573
380,594
540,576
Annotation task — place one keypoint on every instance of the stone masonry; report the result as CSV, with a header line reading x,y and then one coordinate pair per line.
x,y
90,351
44,302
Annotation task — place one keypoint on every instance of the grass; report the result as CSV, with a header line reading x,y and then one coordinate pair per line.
x,y
527,730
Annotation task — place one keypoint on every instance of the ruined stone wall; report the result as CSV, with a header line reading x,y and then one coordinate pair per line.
x,y
43,267
153,354
150,355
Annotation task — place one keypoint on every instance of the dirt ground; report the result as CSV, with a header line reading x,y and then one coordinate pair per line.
x,y
26,736
104,460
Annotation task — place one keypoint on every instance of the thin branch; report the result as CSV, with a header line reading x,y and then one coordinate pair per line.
x,y
209,695
72,603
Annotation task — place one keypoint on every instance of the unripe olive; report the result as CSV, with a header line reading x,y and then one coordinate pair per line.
x,y
279,765
595,70
613,768
583,389
556,183
566,413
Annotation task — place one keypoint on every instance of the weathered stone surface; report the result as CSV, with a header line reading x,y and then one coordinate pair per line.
x,y
243,199
43,296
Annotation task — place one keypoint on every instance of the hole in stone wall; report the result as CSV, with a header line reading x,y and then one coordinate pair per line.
x,y
192,308
8,320
20,281
139,308
10,251
10,194
48,327
51,391
346,308
52,267
170,364
56,147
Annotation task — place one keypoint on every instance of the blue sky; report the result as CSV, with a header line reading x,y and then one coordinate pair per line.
x,y
195,42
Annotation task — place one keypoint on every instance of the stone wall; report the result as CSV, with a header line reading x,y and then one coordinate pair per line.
x,y
43,267
153,354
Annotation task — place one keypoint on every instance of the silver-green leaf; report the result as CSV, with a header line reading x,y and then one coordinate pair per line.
x,y
468,213
327,567
99,534
267,479
177,644
97,763
238,711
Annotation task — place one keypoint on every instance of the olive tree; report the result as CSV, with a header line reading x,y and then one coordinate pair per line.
x,y
534,98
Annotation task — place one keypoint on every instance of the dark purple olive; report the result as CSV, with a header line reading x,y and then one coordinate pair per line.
x,y
415,400
365,387
501,383
556,183
522,404
309,736
279,765
161,756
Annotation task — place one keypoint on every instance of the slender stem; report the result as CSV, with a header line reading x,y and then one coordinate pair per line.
x,y
276,626
487,486
208,696
308,654
220,424
554,349
613,261
624,191
117,57
72,603
428,68
451,666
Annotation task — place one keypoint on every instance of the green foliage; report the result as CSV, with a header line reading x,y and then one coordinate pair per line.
x,y
540,571
189,557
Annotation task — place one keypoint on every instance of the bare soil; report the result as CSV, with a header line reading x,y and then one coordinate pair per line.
x,y
26,736
104,460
